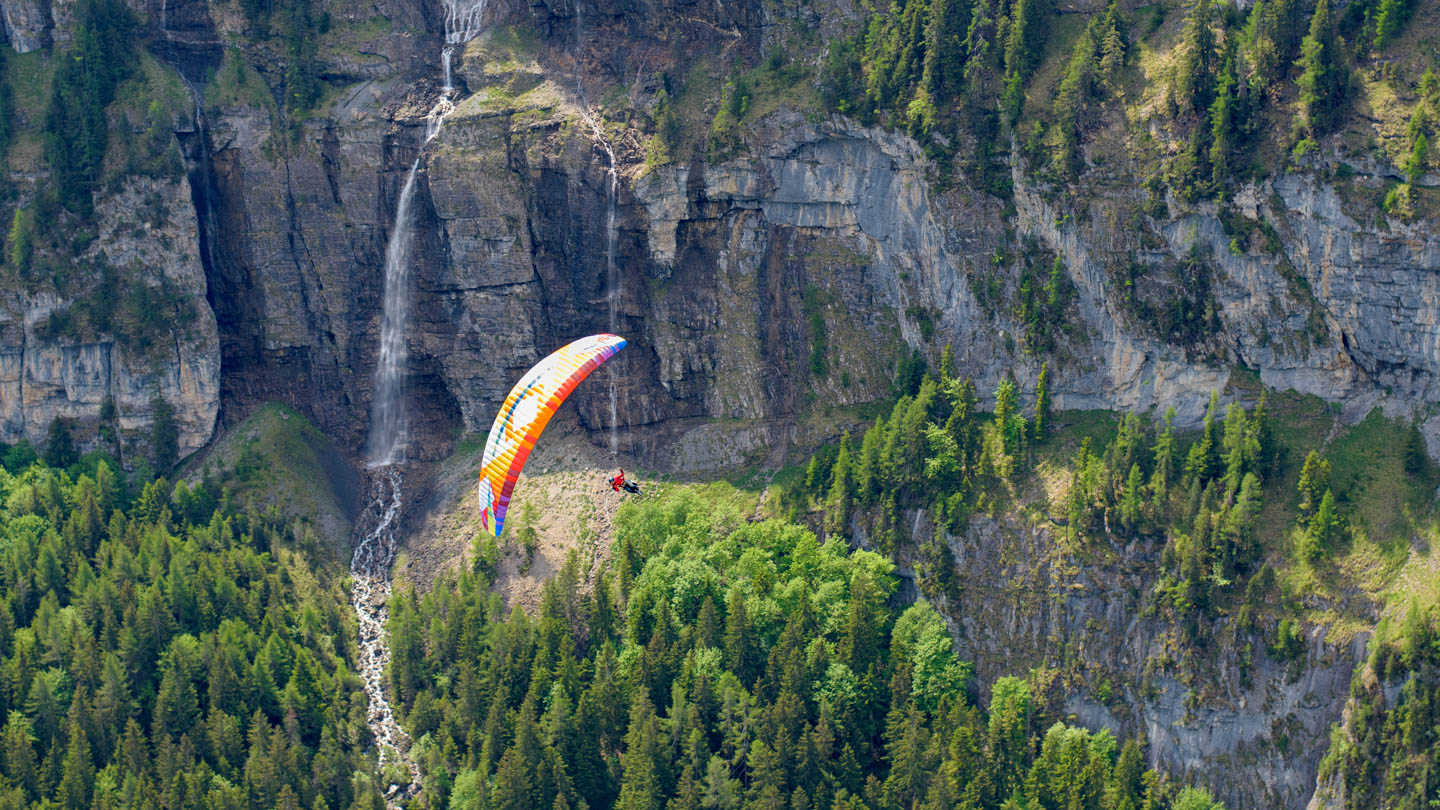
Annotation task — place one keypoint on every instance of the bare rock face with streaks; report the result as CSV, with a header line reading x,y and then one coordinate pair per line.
x,y
25,24
164,342
1023,603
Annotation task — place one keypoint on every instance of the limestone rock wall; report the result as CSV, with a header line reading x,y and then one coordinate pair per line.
x,y
25,24
1252,730
44,376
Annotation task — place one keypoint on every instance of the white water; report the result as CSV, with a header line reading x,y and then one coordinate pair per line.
x,y
369,595
389,433
389,422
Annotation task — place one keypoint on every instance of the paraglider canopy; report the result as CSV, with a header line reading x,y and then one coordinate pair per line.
x,y
525,413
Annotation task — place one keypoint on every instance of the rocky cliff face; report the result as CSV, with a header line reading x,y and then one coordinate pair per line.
x,y
731,271
26,24
49,372
1250,727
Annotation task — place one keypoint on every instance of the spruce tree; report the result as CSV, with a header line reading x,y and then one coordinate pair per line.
x,y
1314,480
842,489
1390,19
1322,79
1194,78
165,433
77,778
1417,457
1041,423
944,73
1324,528
1419,153
640,785
1226,122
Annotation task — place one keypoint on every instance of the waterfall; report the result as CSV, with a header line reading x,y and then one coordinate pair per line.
x,y
388,419
613,283
389,430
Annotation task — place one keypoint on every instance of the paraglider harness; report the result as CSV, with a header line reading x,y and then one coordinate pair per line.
x,y
618,483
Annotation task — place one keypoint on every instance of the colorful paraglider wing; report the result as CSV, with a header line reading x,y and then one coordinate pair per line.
x,y
524,414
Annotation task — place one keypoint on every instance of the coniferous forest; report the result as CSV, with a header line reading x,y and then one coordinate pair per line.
x,y
164,647
721,663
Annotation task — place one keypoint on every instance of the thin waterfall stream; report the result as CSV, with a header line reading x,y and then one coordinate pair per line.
x,y
389,438
613,289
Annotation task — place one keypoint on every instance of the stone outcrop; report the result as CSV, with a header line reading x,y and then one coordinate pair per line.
x,y
1250,727
46,376
25,24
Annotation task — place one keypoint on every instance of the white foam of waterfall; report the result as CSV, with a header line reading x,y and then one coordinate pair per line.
x,y
389,423
463,20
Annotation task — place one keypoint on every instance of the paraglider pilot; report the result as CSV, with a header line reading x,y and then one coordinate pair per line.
x,y
618,483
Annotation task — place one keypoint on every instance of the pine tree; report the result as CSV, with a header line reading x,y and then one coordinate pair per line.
x,y
1417,457
1322,79
1006,400
1314,480
842,490
165,433
1390,19
943,76
719,791
911,762
1041,424
60,444
1133,499
1010,708
1264,50
861,642
1202,460
947,365
18,741
19,242
78,775
1419,154
1124,788
1074,92
1194,78
1324,528
304,697
177,706
740,652
516,785
640,786
1113,46
1226,124
1029,28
